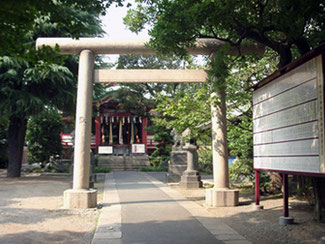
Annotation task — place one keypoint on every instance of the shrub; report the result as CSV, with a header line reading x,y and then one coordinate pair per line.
x,y
101,170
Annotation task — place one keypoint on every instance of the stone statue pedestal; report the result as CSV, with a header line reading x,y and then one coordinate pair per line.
x,y
191,178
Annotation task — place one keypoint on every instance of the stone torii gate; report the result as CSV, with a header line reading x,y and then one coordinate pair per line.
x,y
83,197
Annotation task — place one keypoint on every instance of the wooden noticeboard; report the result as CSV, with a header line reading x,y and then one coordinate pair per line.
x,y
288,118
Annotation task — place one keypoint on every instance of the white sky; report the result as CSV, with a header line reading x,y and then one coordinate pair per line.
x,y
114,27
116,30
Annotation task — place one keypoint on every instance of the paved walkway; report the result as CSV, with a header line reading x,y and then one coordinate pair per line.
x,y
140,209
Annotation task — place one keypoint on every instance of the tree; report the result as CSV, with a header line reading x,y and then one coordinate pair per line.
x,y
162,135
246,71
279,25
187,107
43,136
37,80
26,90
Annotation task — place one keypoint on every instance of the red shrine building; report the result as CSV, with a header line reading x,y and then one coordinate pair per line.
x,y
114,131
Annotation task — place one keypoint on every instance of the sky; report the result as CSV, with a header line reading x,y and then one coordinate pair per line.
x,y
114,27
116,30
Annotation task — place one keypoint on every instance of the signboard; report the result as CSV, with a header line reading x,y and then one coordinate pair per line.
x,y
105,150
138,148
288,121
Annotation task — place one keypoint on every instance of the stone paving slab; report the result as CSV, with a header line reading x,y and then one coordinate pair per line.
x,y
142,195
109,224
220,230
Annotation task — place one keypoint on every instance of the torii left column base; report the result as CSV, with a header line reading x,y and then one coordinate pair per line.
x,y
80,198
221,197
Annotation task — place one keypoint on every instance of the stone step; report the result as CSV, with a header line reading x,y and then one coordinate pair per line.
x,y
123,162
123,166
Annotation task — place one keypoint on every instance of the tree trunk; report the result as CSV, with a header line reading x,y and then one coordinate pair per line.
x,y
319,186
16,138
302,45
285,56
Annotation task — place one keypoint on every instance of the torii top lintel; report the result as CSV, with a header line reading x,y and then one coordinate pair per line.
x,y
103,46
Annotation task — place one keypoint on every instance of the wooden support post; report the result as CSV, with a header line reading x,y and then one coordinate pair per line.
x,y
285,195
285,219
257,188
257,205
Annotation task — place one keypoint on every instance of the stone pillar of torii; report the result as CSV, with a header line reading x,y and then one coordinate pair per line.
x,y
83,197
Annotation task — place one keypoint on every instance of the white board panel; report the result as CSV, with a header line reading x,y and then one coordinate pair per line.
x,y
288,117
296,115
138,148
291,79
294,164
303,131
105,150
293,148
298,95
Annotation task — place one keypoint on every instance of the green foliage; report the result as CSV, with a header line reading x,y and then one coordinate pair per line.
x,y
162,135
305,189
154,169
17,19
205,159
37,78
246,71
101,170
188,107
242,170
32,81
26,89
43,137
279,25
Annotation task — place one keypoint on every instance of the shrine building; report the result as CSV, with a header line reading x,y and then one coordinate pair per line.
x,y
116,135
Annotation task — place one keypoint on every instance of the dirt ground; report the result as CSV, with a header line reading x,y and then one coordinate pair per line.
x,y
31,212
263,226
